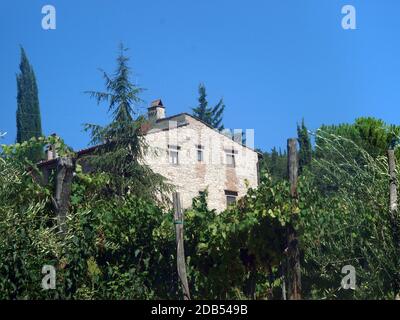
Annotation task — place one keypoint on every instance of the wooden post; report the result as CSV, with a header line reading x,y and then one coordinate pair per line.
x,y
293,252
64,175
392,184
393,210
180,251
283,284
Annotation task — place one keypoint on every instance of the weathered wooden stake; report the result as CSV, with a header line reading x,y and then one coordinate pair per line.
x,y
180,251
393,210
64,175
283,286
392,184
293,252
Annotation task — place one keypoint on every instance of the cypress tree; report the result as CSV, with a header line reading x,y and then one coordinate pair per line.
x,y
28,110
274,166
211,116
305,152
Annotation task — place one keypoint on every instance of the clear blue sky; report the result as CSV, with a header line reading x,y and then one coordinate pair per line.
x,y
273,61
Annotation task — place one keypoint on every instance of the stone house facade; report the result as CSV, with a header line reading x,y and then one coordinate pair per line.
x,y
195,157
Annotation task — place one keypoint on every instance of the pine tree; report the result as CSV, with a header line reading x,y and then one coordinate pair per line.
x,y
122,146
202,111
211,116
28,110
305,152
216,115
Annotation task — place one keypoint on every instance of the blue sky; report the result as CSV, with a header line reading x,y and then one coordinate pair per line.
x,y
273,61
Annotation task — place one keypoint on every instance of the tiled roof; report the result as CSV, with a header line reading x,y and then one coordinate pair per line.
x,y
146,129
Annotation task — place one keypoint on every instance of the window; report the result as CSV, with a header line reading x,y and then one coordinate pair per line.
x,y
230,197
173,157
173,154
230,200
230,157
230,160
200,157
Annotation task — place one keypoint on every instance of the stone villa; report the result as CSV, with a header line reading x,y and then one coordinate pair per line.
x,y
194,157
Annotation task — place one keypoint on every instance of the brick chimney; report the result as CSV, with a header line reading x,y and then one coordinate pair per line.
x,y
156,111
51,152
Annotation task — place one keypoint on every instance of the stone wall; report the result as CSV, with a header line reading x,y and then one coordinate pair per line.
x,y
191,176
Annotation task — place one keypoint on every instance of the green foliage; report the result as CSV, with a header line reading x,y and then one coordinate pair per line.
x,y
236,253
275,164
20,152
210,115
122,245
345,221
373,135
108,251
28,111
27,237
117,250
344,217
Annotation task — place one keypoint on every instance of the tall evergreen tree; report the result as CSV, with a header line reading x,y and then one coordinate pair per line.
x,y
122,146
202,111
217,114
28,110
305,152
274,164
210,115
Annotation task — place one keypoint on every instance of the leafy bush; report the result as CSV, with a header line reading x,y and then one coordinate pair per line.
x,y
27,236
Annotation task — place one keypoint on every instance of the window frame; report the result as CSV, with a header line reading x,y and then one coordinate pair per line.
x,y
232,163
230,195
200,152
173,150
